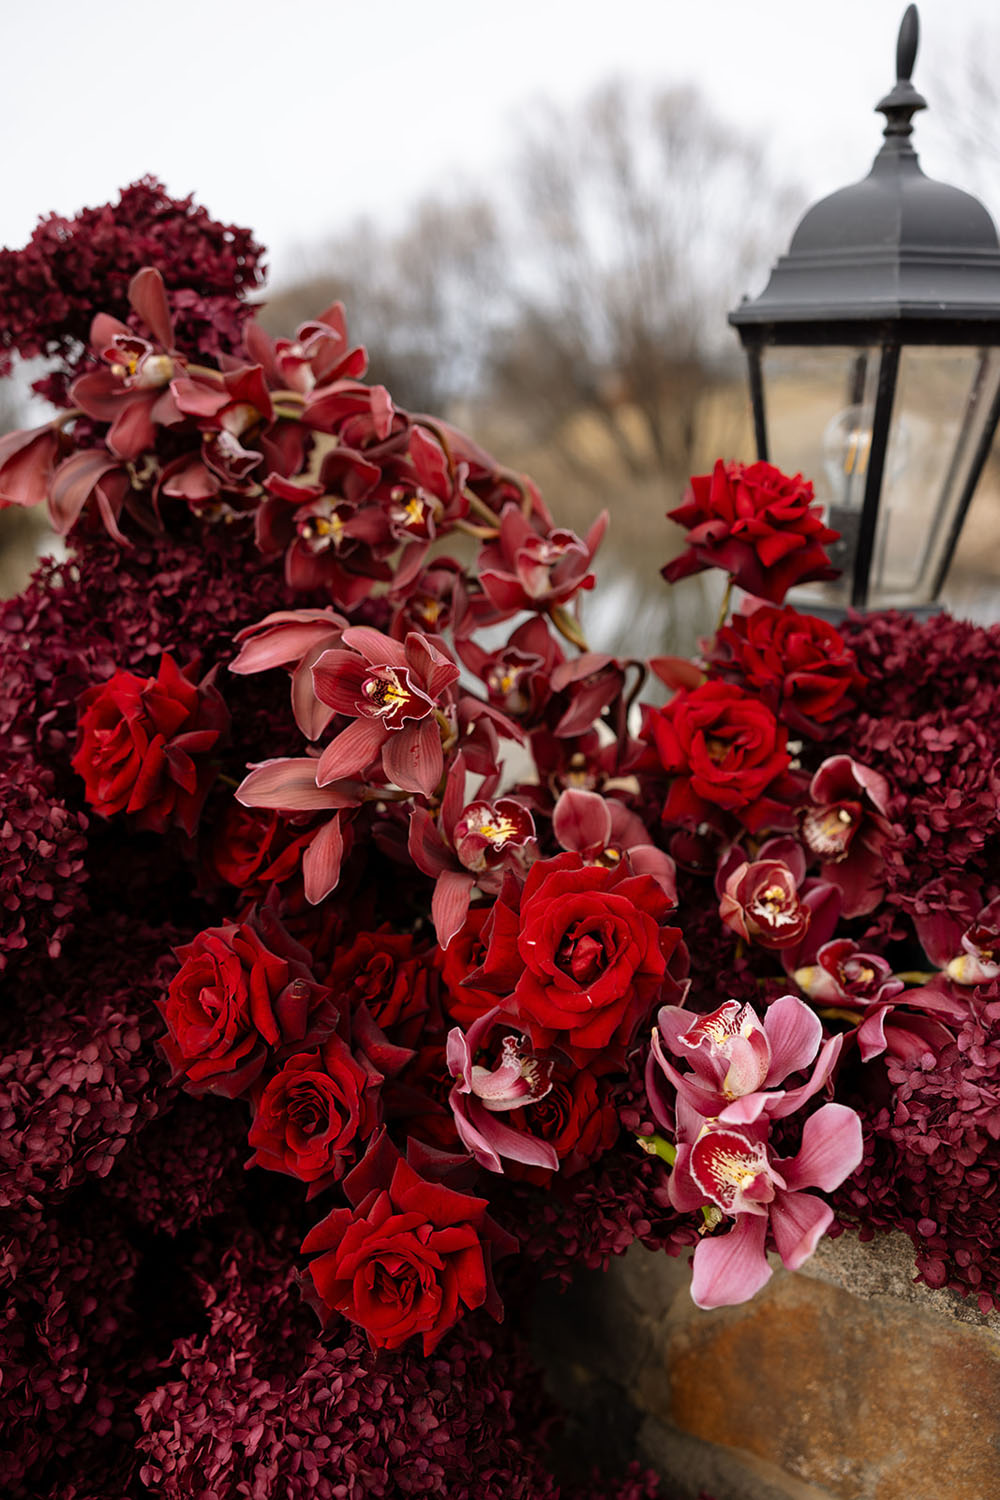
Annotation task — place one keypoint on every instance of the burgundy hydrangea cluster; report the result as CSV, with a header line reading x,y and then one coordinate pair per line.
x,y
260,1399
51,288
42,865
414,942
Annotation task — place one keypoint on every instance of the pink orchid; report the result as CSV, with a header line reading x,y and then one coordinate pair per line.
x,y
737,1063
393,693
736,1172
480,1094
846,828
604,832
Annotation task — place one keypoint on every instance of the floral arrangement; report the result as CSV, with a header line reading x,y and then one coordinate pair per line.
x,y
340,857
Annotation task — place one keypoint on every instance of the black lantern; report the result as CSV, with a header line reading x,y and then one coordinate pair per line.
x,y
874,356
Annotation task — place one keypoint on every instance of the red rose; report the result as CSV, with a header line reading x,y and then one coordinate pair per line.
x,y
235,1000
311,1118
464,953
143,743
408,1258
798,665
726,752
253,848
756,524
389,974
576,1117
583,959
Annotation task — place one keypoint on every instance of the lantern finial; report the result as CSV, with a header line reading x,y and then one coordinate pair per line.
x,y
901,104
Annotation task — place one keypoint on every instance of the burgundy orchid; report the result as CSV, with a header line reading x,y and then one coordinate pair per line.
x,y
393,692
759,899
468,846
523,569
319,354
134,394
846,828
604,832
860,987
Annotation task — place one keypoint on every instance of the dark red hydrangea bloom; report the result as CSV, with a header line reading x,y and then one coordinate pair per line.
x,y
799,665
756,524
42,874
243,993
143,745
409,1258
311,1119
932,1156
582,955
726,753
69,267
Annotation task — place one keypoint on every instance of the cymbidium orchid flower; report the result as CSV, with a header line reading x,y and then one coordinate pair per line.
x,y
846,828
969,955
480,1093
468,845
393,692
319,354
852,983
737,1063
604,832
523,569
134,392
737,1172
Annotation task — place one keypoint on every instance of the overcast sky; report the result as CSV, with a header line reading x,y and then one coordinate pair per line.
x,y
295,118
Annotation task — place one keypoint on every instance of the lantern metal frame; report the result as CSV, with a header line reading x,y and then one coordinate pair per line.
x,y
894,260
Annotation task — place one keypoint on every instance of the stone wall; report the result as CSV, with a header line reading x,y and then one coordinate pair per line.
x,y
842,1382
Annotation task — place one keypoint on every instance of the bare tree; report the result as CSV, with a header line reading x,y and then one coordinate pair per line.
x,y
422,298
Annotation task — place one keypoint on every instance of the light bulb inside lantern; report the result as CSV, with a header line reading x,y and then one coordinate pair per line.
x,y
847,445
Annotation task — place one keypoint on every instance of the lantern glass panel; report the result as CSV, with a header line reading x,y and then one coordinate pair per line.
x,y
943,401
820,407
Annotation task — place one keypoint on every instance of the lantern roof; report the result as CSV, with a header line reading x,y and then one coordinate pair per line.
x,y
895,247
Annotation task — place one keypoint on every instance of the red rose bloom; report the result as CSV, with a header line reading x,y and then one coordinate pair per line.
x,y
726,752
409,1257
391,976
311,1118
464,953
143,743
236,999
254,849
799,665
756,524
576,1117
584,959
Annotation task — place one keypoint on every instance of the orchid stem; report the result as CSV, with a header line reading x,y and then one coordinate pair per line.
x,y
567,627
481,509
727,600
658,1145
